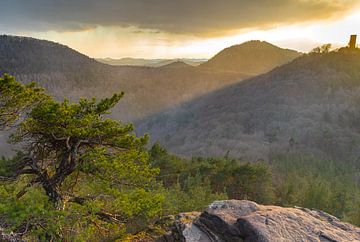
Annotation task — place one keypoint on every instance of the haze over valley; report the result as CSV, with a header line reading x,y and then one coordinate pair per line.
x,y
308,105
149,62
55,67
211,121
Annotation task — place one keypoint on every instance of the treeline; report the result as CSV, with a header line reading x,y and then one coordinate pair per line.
x,y
328,185
289,180
199,181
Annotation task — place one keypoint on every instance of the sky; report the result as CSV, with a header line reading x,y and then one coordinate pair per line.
x,y
180,28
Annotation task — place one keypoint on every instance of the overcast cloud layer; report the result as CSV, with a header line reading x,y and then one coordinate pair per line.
x,y
199,17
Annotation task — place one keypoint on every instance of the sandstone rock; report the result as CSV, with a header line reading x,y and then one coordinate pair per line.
x,y
234,220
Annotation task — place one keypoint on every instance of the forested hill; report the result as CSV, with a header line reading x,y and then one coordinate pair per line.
x,y
51,64
66,72
310,105
37,51
252,57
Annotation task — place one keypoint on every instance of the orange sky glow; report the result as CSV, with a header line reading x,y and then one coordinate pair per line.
x,y
132,41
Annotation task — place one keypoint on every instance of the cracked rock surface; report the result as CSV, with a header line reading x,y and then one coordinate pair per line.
x,y
234,220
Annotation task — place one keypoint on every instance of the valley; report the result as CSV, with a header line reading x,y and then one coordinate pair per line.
x,y
179,121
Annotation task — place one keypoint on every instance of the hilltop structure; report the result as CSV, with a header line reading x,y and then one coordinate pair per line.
x,y
352,43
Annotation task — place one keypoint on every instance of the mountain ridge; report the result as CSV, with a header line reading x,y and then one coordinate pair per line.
x,y
66,72
256,57
149,62
308,105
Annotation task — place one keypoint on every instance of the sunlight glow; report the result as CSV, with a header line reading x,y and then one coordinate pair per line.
x,y
119,42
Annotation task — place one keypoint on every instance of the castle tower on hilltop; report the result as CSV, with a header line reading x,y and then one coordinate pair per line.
x,y
352,43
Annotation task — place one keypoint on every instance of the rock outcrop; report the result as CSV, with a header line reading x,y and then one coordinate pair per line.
x,y
235,220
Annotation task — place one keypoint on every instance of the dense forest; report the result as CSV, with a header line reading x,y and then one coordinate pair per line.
x,y
81,176
310,105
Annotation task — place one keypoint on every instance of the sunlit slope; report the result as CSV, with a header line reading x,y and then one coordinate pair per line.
x,y
66,72
310,105
252,57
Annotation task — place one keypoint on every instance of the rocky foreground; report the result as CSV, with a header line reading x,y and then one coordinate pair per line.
x,y
235,220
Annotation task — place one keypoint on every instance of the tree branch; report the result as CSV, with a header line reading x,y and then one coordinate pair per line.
x,y
67,139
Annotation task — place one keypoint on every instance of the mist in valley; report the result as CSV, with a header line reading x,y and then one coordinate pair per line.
x,y
179,121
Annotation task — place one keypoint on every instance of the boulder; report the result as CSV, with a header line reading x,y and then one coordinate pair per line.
x,y
234,220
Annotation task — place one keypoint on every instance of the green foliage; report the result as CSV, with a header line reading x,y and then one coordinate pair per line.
x,y
321,49
290,180
8,166
200,181
32,212
251,182
183,191
17,99
195,197
76,166
326,185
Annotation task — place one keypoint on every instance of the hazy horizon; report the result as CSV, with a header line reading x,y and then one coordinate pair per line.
x,y
180,120
163,30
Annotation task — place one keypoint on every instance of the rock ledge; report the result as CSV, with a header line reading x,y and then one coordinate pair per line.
x,y
234,220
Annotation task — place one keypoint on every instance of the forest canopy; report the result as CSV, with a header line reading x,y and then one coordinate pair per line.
x,y
81,176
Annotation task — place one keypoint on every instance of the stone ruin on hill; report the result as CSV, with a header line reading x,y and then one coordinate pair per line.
x,y
352,43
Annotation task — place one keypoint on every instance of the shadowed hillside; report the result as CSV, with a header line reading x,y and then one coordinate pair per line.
x,y
55,66
311,104
65,72
253,57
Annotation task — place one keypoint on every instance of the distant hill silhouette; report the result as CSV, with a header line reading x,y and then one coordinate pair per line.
x,y
177,64
66,72
148,62
52,64
310,105
252,57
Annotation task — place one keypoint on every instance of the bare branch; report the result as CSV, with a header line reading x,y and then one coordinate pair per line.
x,y
67,139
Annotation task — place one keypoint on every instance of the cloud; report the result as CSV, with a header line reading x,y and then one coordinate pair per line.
x,y
196,17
